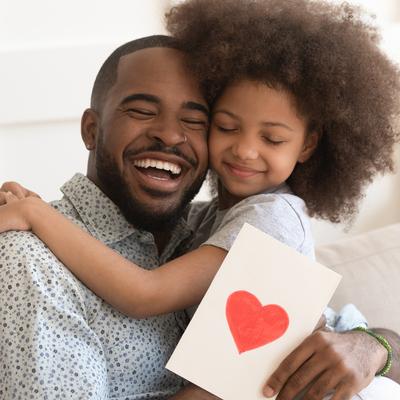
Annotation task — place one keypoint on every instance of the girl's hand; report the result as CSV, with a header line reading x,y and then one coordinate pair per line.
x,y
18,190
14,213
7,198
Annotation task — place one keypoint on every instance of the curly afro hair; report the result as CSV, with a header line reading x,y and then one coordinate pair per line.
x,y
327,57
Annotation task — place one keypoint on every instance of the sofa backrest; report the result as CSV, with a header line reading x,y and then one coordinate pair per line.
x,y
370,266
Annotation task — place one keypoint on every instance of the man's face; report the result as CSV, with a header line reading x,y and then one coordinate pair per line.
x,y
151,149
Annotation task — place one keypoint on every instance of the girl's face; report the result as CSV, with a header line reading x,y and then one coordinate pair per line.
x,y
256,138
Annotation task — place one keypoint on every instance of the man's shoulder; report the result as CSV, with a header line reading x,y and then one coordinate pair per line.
x,y
65,207
18,245
26,245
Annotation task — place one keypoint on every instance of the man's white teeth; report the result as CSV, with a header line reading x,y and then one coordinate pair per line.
x,y
166,166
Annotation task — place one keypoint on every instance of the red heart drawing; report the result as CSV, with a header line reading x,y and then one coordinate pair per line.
x,y
253,325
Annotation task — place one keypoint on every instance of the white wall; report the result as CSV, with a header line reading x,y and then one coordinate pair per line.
x,y
381,205
50,52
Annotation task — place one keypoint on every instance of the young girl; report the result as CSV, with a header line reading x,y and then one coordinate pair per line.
x,y
303,115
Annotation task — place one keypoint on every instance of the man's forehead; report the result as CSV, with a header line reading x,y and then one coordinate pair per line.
x,y
159,72
155,63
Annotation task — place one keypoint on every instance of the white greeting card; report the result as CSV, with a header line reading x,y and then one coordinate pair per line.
x,y
265,299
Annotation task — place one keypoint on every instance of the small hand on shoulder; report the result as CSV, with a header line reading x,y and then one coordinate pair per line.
x,y
17,190
16,204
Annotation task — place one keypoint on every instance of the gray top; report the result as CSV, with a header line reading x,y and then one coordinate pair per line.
x,y
60,341
278,213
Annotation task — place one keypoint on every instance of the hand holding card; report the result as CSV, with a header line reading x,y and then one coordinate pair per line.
x,y
265,299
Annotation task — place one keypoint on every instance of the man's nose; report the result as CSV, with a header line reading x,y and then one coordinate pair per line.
x,y
245,148
169,131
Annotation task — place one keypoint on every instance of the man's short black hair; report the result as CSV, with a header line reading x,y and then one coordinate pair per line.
x,y
107,76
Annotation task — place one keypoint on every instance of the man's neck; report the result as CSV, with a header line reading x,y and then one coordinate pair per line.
x,y
161,239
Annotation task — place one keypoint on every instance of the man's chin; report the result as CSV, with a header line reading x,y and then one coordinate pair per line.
x,y
146,208
153,219
159,197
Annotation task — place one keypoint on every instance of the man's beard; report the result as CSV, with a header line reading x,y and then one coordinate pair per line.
x,y
138,214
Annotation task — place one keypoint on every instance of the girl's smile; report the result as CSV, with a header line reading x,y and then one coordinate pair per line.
x,y
240,170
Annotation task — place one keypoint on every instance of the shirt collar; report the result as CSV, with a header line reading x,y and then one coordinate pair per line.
x,y
100,215
104,220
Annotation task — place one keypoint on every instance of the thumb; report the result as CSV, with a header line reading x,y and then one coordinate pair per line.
x,y
321,323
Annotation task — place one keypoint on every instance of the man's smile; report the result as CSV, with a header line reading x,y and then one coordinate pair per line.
x,y
160,171
158,164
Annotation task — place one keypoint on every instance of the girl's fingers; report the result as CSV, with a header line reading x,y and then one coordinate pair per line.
x,y
33,194
16,189
19,191
2,199
7,198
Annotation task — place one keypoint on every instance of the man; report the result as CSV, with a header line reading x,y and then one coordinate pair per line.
x,y
57,339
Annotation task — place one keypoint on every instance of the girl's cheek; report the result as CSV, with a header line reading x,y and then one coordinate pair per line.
x,y
213,155
214,142
212,134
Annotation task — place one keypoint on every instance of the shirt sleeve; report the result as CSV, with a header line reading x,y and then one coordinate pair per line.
x,y
48,350
270,213
348,318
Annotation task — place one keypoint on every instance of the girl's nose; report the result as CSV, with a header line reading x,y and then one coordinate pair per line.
x,y
245,149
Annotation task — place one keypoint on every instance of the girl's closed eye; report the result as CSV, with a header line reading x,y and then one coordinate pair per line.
x,y
226,128
223,122
273,140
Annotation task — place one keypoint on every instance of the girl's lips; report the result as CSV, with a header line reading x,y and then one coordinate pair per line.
x,y
240,171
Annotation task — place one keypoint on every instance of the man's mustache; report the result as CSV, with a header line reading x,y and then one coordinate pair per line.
x,y
161,148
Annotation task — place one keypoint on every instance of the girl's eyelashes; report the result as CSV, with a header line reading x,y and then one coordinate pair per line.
x,y
274,142
226,129
268,139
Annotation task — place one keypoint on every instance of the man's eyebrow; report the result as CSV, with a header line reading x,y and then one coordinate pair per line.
x,y
191,105
140,96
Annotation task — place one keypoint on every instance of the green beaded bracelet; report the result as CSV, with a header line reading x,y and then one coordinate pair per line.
x,y
385,344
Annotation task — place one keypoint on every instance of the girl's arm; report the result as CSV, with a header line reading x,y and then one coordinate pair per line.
x,y
134,291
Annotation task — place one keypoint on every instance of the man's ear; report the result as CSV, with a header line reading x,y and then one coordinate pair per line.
x,y
89,128
310,144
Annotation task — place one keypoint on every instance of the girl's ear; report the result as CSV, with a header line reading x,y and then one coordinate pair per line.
x,y
89,128
310,144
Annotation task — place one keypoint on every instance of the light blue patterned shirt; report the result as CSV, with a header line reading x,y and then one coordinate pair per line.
x,y
60,341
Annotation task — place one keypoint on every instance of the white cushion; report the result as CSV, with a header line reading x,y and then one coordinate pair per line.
x,y
370,266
